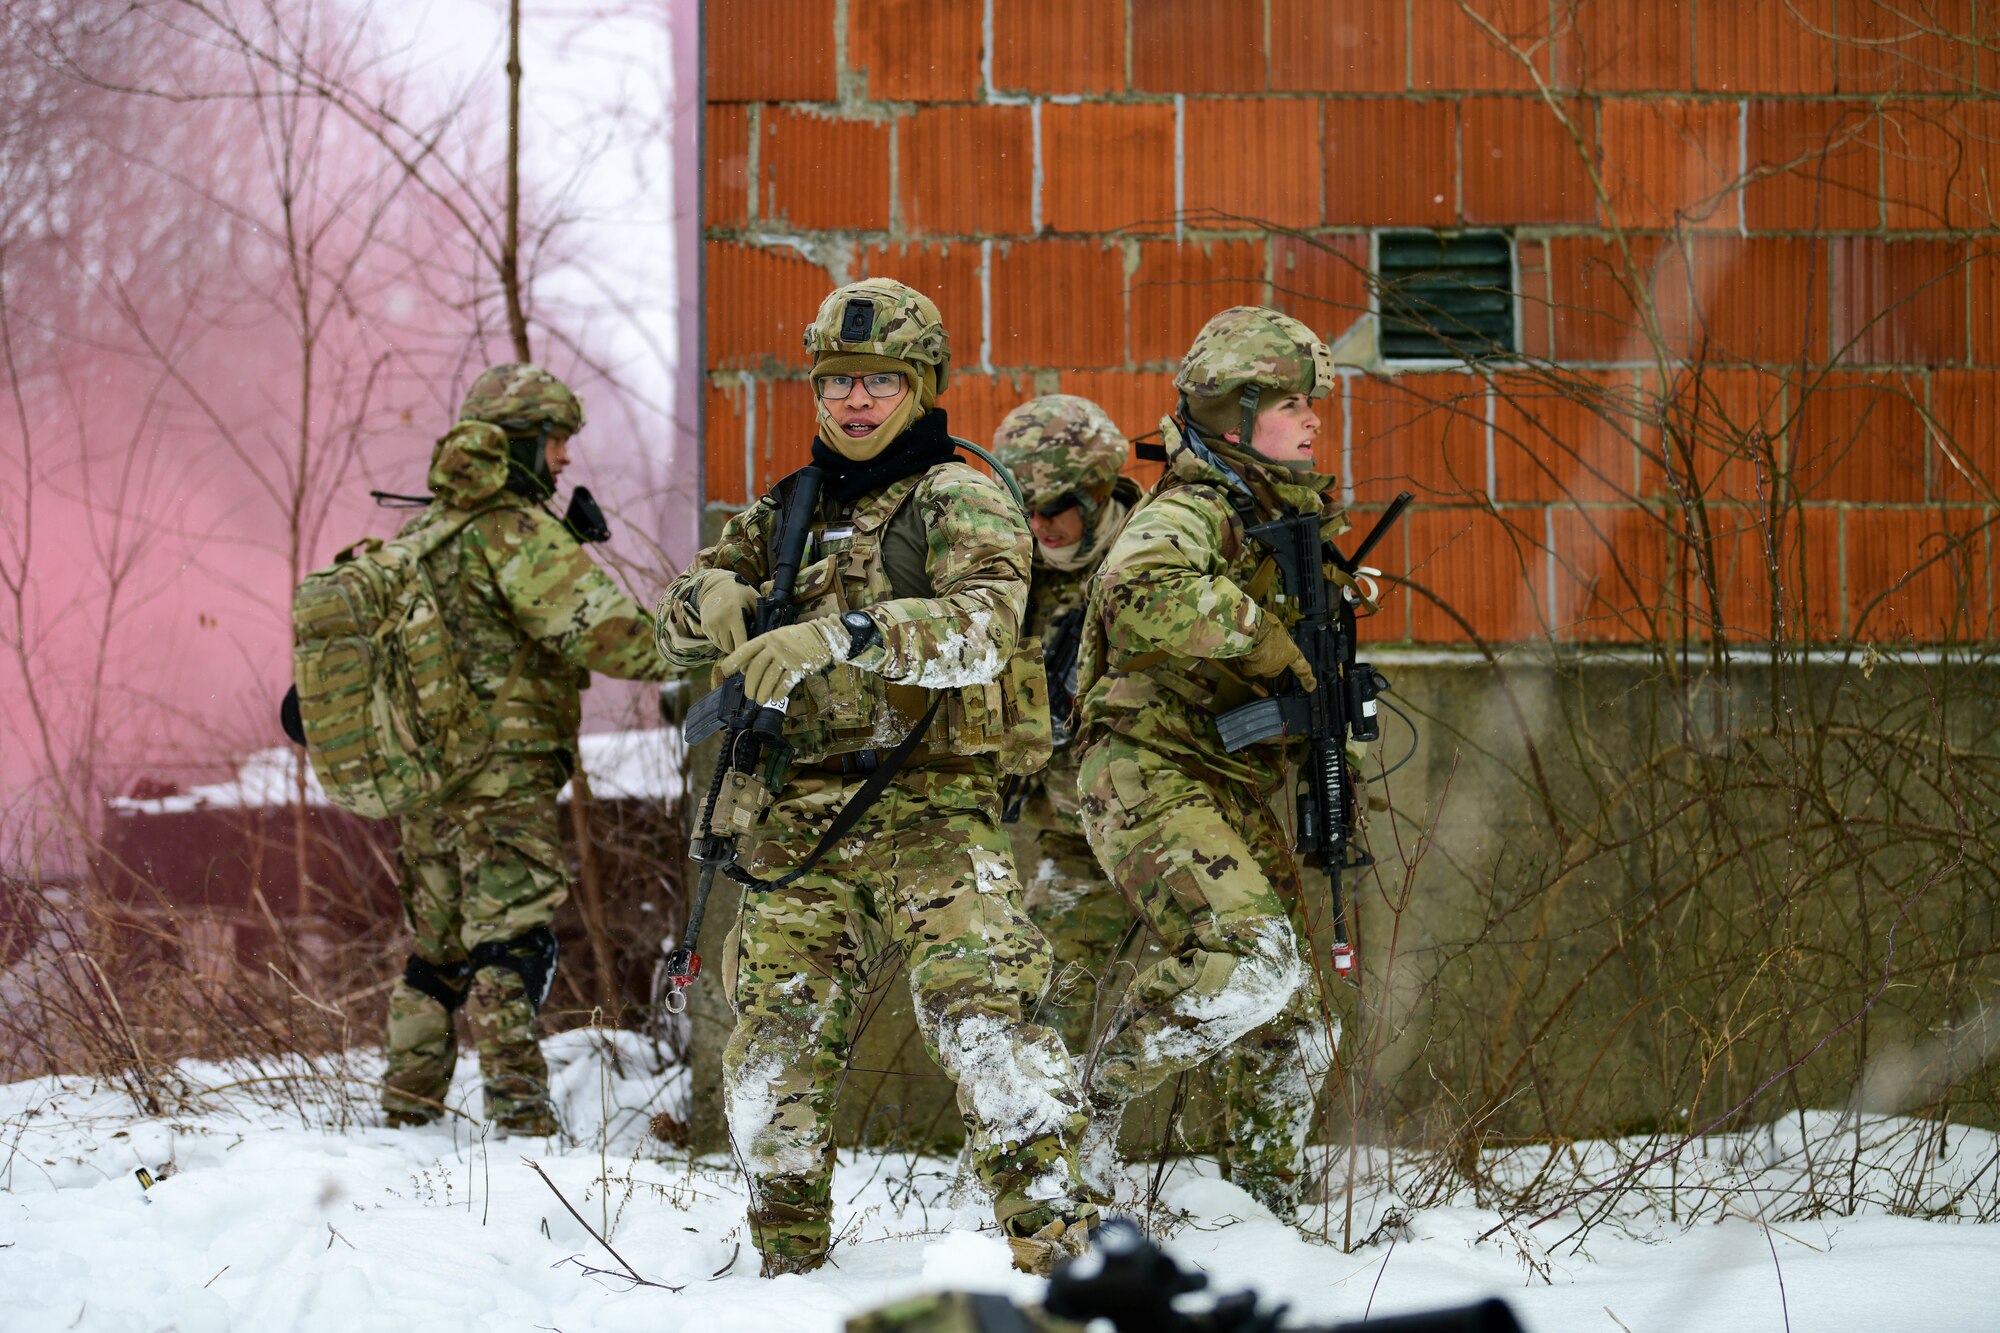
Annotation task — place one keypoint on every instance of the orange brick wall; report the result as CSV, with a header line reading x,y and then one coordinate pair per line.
x,y
1803,187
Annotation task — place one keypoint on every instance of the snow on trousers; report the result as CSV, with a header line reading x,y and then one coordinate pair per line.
x,y
487,866
1210,870
926,877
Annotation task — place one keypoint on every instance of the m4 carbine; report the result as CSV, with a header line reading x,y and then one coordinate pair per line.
x,y
738,790
1342,705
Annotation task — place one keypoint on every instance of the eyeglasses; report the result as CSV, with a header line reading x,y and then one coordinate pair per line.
x,y
1062,504
884,384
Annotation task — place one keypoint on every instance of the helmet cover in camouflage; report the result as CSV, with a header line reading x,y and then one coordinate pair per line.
x,y
1253,344
881,317
1060,444
516,396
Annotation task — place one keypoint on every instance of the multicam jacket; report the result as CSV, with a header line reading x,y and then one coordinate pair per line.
x,y
1182,593
531,613
949,613
1054,597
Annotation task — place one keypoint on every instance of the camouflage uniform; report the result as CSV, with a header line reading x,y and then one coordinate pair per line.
x,y
483,873
928,871
1063,448
1184,827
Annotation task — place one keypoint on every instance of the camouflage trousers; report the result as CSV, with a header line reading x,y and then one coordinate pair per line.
x,y
1211,872
1077,910
485,867
926,879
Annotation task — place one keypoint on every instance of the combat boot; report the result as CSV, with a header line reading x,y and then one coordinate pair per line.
x,y
1066,1237
791,1220
531,1121
406,1119
779,1265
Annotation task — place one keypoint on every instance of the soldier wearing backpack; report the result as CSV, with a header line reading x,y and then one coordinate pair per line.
x,y
515,616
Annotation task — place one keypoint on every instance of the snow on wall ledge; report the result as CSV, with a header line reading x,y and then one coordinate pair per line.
x,y
622,765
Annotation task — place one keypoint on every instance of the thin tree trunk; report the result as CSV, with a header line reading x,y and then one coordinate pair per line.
x,y
590,896
510,243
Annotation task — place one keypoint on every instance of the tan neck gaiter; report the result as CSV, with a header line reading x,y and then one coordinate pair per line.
x,y
919,400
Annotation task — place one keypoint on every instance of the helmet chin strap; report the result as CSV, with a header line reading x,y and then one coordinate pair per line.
x,y
535,469
1251,396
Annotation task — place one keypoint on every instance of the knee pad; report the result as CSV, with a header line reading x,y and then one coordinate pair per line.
x,y
446,983
532,954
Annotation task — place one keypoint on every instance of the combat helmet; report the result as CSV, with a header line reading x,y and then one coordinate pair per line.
x,y
1060,445
1244,355
516,396
530,405
883,317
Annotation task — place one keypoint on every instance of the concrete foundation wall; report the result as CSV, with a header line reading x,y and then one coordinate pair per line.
x,y
1693,885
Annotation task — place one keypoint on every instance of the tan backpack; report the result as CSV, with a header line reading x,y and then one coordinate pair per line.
x,y
391,722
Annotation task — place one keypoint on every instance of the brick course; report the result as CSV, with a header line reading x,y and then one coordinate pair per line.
x,y
1059,46
967,171
1108,167
1805,188
815,172
916,50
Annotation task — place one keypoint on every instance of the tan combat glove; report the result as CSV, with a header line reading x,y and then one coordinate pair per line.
x,y
1274,653
773,663
725,604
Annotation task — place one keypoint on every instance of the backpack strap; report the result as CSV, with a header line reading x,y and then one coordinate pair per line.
x,y
432,542
520,662
437,538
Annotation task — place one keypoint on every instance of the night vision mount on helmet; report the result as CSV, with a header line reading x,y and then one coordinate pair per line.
x,y
882,317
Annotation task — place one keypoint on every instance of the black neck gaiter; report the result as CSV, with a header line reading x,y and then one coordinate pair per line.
x,y
925,444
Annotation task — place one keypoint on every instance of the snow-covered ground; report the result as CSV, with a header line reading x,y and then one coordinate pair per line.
x,y
280,1204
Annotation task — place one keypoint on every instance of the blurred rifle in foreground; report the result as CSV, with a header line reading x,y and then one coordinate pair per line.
x,y
1133,1283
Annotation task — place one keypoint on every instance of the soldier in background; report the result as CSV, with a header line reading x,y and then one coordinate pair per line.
x,y
1067,456
1187,620
908,613
483,873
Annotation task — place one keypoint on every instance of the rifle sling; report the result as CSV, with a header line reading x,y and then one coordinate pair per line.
x,y
857,806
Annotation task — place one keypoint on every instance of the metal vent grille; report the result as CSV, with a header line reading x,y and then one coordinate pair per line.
x,y
1446,297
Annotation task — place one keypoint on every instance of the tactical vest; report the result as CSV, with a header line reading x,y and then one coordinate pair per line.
x,y
874,552
1209,684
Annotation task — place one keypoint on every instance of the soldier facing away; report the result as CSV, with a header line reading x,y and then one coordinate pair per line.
x,y
1067,455
1187,620
909,607
483,872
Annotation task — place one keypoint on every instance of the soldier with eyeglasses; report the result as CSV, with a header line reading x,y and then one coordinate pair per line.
x,y
908,615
